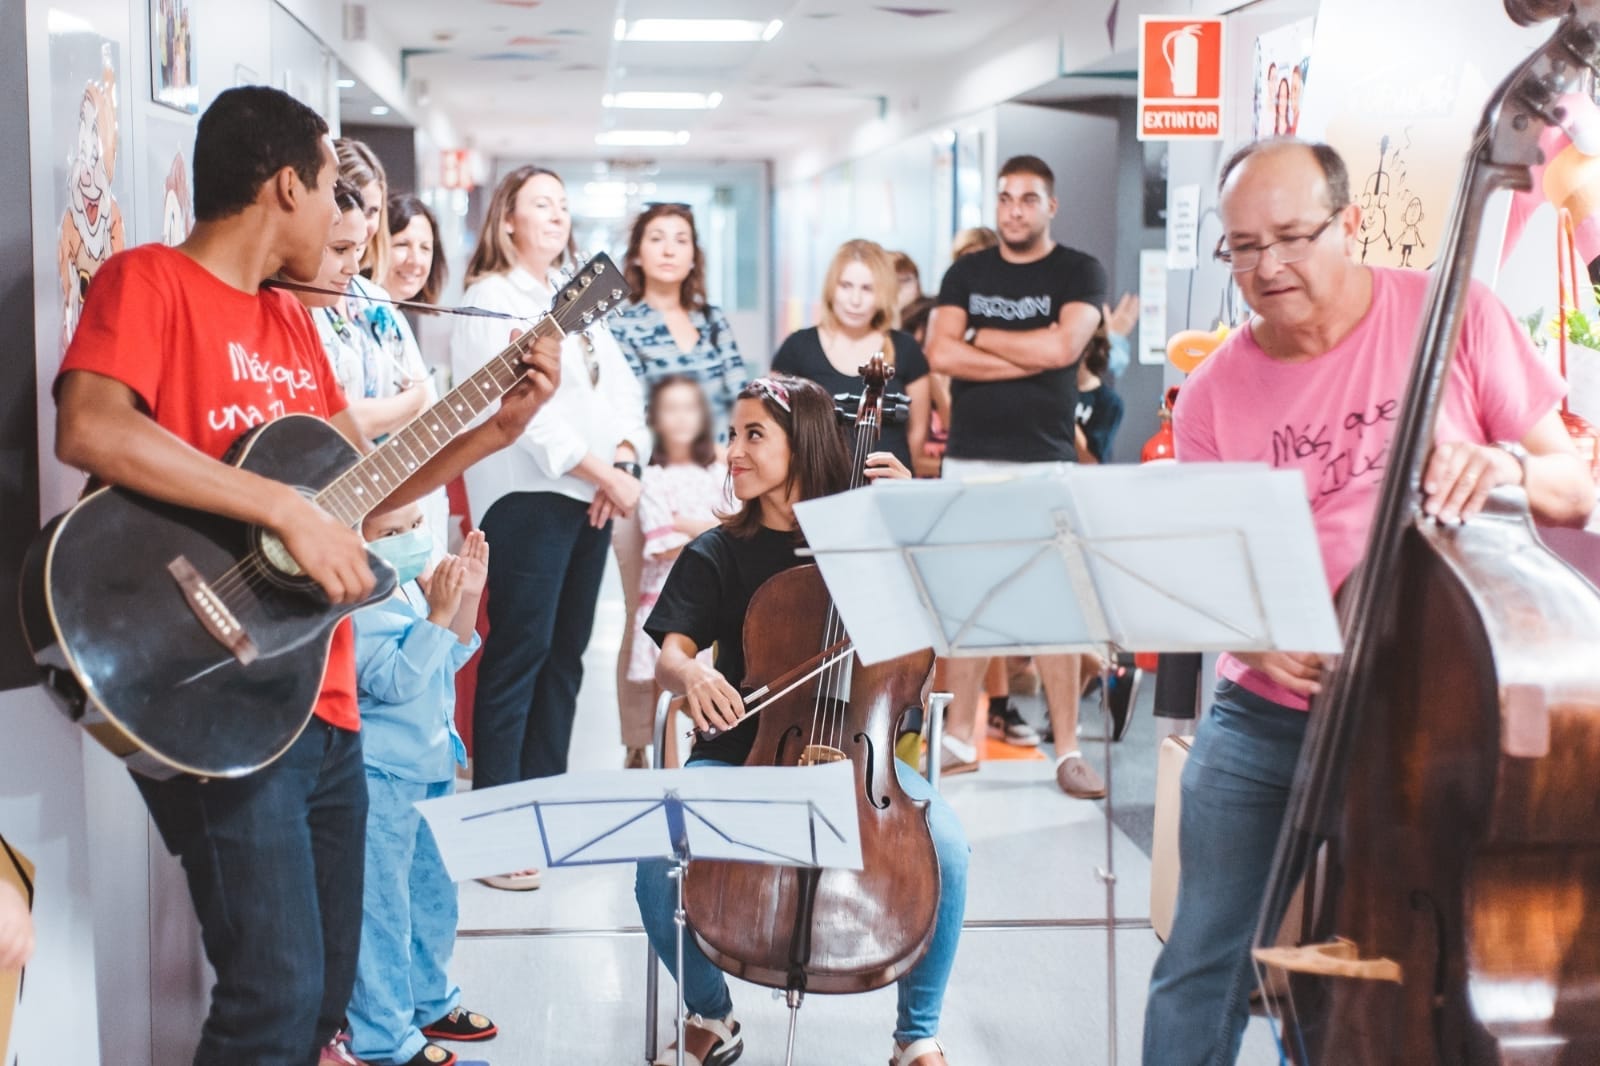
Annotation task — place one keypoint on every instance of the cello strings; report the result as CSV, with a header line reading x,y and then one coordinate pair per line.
x,y
840,677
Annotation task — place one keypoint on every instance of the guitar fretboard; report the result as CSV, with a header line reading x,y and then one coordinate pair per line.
x,y
359,490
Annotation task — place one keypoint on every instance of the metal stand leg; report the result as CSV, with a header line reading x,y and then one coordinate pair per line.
x,y
652,977
1108,872
681,920
793,998
933,729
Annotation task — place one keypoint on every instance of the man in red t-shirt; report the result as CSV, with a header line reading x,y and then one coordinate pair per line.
x,y
178,353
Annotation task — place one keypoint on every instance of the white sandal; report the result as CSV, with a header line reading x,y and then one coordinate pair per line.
x,y
729,1045
914,1051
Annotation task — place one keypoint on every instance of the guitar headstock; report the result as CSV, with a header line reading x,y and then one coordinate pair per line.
x,y
596,289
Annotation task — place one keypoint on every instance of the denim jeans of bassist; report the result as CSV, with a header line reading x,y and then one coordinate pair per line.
x,y
408,926
545,566
274,870
1235,790
705,988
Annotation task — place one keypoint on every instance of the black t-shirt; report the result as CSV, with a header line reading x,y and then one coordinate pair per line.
x,y
1100,413
706,597
1028,420
801,356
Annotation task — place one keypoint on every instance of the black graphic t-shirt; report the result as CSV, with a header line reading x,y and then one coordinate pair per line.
x,y
1099,413
706,597
1028,420
801,356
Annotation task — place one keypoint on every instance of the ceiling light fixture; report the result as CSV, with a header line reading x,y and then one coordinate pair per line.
x,y
661,101
379,109
714,31
641,138
346,83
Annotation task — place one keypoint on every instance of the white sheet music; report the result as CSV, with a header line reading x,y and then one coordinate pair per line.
x,y
1214,557
784,815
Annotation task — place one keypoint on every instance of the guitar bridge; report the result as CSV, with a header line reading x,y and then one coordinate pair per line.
x,y
213,614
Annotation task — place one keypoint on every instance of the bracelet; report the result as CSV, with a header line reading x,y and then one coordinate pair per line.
x,y
1517,452
631,468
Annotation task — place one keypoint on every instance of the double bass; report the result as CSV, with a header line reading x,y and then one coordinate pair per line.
x,y
826,931
1444,821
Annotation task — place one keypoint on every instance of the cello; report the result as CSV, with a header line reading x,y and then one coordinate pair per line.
x,y
825,931
1444,819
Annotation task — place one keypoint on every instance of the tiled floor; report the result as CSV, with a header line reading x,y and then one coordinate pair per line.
x,y
562,969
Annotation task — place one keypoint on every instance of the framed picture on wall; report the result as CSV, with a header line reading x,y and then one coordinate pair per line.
x,y
172,62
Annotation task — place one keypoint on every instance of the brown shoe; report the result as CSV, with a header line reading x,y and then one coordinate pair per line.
x,y
1078,779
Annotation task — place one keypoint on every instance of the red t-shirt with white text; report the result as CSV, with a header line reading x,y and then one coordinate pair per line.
x,y
211,362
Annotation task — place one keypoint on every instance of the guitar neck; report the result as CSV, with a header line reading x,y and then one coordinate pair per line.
x,y
360,490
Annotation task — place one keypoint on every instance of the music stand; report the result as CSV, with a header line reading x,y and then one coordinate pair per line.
x,y
788,816
1166,558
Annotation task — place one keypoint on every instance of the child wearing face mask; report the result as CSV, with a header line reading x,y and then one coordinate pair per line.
x,y
408,649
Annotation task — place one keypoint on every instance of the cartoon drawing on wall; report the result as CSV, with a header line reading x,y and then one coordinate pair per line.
x,y
1411,235
172,62
16,871
177,213
91,227
1374,201
1282,61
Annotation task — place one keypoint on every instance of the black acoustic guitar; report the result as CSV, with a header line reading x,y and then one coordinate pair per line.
x,y
188,643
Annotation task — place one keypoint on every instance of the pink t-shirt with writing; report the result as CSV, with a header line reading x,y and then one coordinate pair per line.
x,y
1334,417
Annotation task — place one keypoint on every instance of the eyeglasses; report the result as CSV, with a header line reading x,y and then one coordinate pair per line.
x,y
1285,250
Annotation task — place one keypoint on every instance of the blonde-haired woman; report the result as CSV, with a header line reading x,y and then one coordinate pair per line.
x,y
859,318
547,502
361,167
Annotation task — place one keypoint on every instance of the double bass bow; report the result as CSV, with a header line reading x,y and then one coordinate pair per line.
x,y
825,931
1444,822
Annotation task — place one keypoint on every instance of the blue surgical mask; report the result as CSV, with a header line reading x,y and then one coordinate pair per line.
x,y
407,552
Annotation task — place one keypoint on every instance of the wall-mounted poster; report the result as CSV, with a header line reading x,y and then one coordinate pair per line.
x,y
172,63
1400,104
16,873
1282,60
167,209
91,223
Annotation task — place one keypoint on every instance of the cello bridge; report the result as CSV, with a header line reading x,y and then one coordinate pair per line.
x,y
1336,958
820,754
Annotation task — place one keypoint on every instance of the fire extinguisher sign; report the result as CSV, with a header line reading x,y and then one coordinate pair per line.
x,y
1180,78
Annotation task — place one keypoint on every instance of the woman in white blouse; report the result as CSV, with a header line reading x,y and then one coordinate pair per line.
x,y
546,503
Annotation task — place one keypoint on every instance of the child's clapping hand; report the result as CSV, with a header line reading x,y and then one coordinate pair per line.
x,y
444,588
475,564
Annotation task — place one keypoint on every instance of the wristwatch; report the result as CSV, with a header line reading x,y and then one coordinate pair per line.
x,y
1517,452
631,468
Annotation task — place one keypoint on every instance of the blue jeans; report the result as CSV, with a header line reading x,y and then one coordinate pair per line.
x,y
1235,791
270,861
408,925
705,989
544,579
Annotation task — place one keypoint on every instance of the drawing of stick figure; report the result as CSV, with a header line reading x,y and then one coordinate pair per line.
x,y
1411,236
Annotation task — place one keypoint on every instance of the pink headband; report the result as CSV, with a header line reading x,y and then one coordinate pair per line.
x,y
776,391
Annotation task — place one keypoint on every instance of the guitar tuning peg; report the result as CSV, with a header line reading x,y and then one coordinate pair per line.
x,y
602,306
616,294
586,281
588,318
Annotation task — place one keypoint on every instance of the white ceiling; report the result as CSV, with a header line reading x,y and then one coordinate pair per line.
x,y
525,77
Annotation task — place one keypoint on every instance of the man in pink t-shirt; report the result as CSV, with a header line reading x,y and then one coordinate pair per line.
x,y
1316,381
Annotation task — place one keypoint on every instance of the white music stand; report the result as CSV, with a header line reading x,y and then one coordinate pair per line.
x,y
787,816
1168,558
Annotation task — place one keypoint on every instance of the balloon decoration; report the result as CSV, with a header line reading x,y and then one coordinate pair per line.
x,y
1188,349
1584,437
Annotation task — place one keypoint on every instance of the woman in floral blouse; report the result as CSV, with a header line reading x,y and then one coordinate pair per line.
x,y
667,329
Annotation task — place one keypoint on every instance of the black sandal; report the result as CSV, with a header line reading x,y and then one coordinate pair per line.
x,y
461,1024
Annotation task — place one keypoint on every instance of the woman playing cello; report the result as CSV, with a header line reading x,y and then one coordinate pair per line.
x,y
785,446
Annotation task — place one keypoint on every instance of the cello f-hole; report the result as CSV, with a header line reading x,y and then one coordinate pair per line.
x,y
792,733
865,741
